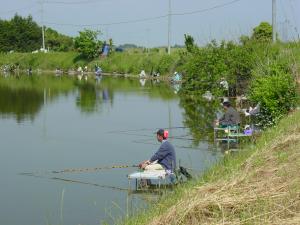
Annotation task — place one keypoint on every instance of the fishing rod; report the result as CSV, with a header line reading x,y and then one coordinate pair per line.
x,y
177,146
77,170
146,129
80,170
77,181
182,137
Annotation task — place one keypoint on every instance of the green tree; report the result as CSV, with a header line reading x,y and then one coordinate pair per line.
x,y
88,44
189,42
263,32
205,67
20,34
244,39
58,42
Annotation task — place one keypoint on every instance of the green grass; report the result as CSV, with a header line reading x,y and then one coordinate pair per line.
x,y
125,62
43,61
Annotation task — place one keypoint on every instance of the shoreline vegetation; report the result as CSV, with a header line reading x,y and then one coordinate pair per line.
x,y
260,185
130,63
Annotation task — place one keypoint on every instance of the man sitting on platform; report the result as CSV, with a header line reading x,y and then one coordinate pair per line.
x,y
230,118
164,158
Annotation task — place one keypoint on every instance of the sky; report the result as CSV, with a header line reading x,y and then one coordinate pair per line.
x,y
145,22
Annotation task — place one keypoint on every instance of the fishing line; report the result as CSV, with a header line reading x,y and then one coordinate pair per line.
x,y
77,181
146,129
181,137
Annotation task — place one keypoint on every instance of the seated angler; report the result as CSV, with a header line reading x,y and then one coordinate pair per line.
x,y
164,158
230,118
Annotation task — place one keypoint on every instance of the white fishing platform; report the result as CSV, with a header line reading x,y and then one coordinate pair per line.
x,y
160,176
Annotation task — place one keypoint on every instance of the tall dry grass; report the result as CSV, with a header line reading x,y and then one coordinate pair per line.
x,y
266,190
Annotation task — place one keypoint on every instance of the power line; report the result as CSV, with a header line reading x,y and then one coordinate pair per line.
x,y
73,3
109,24
148,18
207,9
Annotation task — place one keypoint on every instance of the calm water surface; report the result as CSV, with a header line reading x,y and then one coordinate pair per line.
x,y
53,124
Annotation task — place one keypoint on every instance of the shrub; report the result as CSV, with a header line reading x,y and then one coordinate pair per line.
x,y
164,64
274,87
205,66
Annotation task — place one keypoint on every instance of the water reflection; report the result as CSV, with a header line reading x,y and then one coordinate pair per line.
x,y
105,94
176,87
199,115
143,82
22,97
21,104
91,97
93,94
98,79
88,99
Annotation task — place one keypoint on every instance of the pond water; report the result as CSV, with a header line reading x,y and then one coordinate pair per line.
x,y
51,123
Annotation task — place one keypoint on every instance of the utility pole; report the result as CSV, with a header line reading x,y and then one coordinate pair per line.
x,y
147,40
274,21
169,28
42,21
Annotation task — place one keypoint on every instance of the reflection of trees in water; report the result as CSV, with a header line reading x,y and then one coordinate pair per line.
x,y
22,96
20,103
199,115
160,89
91,97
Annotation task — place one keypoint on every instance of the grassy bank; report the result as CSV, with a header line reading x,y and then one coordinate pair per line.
x,y
260,185
124,62
133,61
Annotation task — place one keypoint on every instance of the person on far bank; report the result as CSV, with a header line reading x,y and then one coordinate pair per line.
x,y
164,158
230,118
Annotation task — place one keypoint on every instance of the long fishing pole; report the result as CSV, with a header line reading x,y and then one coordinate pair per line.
x,y
80,170
182,137
76,170
78,182
177,146
146,129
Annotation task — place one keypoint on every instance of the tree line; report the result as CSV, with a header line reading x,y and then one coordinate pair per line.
x,y
23,34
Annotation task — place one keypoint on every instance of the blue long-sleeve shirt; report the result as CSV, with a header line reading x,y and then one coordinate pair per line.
x,y
165,156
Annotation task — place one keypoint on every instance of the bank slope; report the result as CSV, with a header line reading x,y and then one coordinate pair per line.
x,y
259,186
